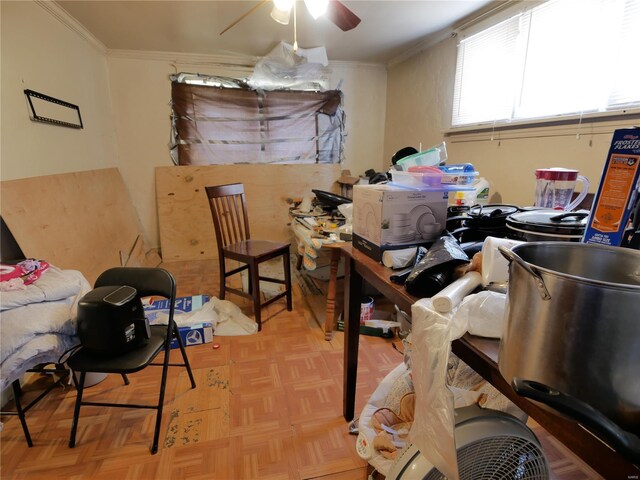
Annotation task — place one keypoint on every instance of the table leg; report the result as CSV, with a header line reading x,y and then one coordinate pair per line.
x,y
330,316
352,296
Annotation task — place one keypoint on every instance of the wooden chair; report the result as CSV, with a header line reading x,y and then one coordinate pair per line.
x,y
231,222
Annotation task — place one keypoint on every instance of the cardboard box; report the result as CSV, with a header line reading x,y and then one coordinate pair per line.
x,y
618,190
156,309
387,217
183,304
194,335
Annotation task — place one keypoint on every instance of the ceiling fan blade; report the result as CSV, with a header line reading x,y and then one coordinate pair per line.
x,y
340,14
244,15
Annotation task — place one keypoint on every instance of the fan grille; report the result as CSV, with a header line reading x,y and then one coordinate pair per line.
x,y
499,458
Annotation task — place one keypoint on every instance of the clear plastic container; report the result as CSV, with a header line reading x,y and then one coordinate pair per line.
x,y
430,176
458,174
431,157
440,181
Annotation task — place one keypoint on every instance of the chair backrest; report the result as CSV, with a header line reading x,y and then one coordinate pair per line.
x,y
147,281
229,212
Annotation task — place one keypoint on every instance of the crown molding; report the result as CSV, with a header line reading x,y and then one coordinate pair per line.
x,y
420,47
237,61
60,14
346,64
233,61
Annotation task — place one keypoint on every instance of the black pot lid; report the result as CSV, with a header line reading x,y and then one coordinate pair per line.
x,y
549,221
492,210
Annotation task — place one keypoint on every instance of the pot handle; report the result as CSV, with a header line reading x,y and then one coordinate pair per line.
x,y
512,257
625,443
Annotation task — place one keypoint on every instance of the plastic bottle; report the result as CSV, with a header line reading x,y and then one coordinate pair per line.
x,y
481,186
465,198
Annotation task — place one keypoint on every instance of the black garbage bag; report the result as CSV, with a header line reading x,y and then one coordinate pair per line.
x,y
435,270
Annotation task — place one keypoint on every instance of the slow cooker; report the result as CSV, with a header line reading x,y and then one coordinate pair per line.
x,y
547,225
482,221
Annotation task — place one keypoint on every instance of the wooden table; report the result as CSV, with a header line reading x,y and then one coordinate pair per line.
x,y
332,288
479,353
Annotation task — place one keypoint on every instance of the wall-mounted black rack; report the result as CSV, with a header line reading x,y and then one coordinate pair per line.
x,y
41,118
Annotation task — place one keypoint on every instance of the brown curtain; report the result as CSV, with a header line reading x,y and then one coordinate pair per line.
x,y
214,125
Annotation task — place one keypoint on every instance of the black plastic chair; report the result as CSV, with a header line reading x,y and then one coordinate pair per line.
x,y
147,281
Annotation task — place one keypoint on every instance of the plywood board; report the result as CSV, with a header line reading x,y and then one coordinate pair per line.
x,y
140,256
80,220
186,227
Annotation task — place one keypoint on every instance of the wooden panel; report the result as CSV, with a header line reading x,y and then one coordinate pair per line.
x,y
80,220
186,228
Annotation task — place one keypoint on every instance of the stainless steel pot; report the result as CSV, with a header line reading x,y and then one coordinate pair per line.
x,y
572,335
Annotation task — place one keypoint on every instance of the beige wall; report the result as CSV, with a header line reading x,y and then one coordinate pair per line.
x,y
419,102
419,92
42,54
141,93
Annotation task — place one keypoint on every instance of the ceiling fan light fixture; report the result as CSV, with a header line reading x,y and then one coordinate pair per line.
x,y
317,8
280,16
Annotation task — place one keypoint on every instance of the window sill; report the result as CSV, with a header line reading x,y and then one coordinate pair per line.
x,y
575,122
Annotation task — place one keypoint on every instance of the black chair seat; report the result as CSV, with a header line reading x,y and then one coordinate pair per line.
x,y
130,362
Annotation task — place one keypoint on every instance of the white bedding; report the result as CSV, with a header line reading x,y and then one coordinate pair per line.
x,y
38,324
45,348
54,284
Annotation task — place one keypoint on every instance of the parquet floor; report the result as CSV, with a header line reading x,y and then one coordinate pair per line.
x,y
267,406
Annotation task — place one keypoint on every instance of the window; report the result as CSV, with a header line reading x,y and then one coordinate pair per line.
x,y
235,124
563,57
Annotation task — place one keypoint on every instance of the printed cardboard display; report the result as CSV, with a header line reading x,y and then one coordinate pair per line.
x,y
618,190
194,335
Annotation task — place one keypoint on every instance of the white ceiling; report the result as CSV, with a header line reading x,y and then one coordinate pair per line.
x,y
388,28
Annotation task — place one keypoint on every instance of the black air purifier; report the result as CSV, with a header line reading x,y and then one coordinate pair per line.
x,y
111,321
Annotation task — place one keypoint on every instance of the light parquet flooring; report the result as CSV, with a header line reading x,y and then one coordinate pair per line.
x,y
268,406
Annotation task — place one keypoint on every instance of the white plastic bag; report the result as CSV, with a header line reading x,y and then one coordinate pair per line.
x,y
284,68
484,313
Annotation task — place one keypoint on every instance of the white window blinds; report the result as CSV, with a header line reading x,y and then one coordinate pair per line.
x,y
563,57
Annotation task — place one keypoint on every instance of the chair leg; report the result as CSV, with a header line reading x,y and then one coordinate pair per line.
x,y
287,278
76,410
165,369
125,378
184,355
223,276
17,392
250,283
255,280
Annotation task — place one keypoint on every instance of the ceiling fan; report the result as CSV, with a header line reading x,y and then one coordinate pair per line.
x,y
335,10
